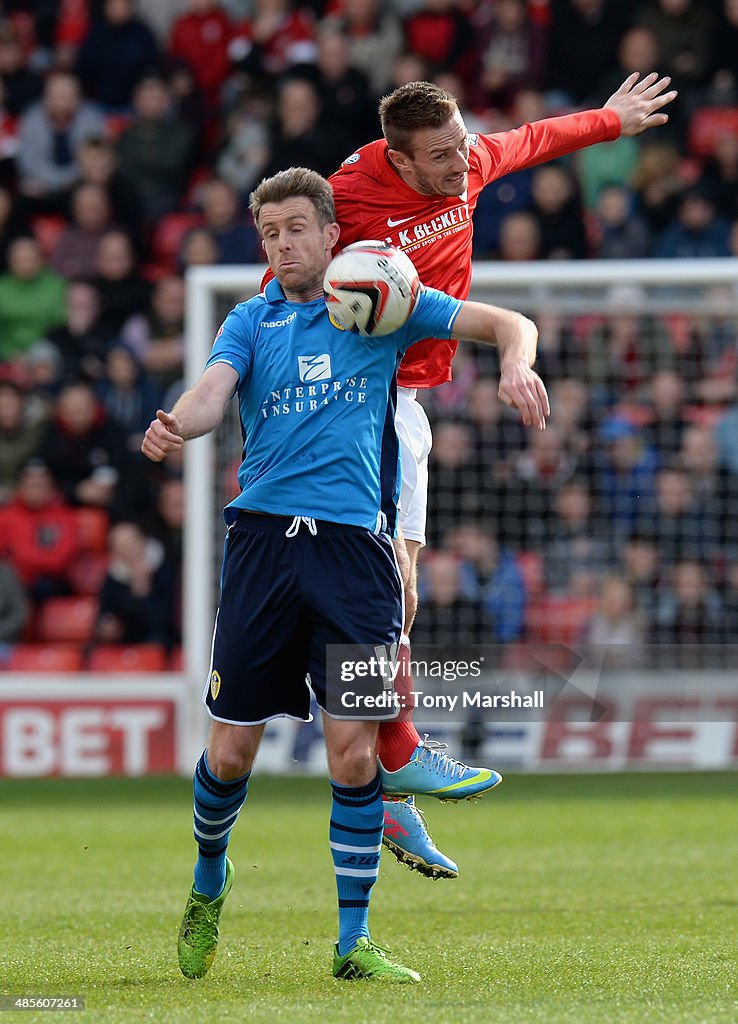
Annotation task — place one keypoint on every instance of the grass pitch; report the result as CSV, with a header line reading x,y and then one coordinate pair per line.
x,y
582,900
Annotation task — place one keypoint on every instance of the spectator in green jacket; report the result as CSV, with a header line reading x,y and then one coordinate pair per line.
x,y
32,299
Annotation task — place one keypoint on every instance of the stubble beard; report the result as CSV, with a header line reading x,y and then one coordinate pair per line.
x,y
426,187
308,288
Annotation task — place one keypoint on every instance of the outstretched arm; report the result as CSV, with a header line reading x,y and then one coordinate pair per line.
x,y
516,338
197,412
636,106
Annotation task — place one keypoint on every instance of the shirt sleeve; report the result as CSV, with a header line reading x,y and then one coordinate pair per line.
x,y
234,343
535,143
433,317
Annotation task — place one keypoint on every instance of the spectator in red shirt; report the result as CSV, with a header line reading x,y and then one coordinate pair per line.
x,y
443,36
200,37
274,39
39,532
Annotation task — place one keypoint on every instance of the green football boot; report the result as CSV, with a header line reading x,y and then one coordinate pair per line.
x,y
198,933
370,961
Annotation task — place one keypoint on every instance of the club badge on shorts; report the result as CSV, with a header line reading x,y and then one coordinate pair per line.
x,y
215,685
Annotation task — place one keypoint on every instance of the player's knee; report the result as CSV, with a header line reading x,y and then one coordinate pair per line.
x,y
232,749
354,765
230,761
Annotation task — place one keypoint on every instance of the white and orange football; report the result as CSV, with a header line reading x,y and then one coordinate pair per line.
x,y
370,288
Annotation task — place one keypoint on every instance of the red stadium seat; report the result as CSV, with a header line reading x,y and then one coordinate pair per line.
x,y
92,529
128,658
706,126
559,619
87,572
67,619
169,235
45,658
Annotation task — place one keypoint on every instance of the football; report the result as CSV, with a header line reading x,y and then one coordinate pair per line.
x,y
370,288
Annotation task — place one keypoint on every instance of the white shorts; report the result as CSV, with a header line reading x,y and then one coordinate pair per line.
x,y
414,433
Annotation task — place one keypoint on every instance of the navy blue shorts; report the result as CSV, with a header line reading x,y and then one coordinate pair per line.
x,y
283,600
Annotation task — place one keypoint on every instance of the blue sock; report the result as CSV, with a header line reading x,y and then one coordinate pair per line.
x,y
216,808
357,818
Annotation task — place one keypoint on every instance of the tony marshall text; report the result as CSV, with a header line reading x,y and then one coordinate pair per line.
x,y
441,701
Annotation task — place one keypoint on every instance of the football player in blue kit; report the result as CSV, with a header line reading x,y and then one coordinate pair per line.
x,y
309,558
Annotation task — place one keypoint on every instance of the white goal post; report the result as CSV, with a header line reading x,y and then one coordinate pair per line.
x,y
580,287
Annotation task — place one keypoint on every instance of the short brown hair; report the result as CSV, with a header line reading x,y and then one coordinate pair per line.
x,y
412,107
296,181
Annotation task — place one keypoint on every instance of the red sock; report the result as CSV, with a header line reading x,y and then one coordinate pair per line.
x,y
397,740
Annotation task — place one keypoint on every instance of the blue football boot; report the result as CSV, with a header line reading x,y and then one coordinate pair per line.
x,y
406,836
431,772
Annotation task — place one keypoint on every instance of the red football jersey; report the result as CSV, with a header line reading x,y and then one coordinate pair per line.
x,y
372,201
201,41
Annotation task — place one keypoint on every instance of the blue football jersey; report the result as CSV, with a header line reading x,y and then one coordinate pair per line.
x,y
317,407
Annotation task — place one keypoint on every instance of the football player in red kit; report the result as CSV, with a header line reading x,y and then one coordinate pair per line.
x,y
417,188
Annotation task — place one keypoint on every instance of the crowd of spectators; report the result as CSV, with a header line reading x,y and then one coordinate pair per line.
x,y
130,136
616,525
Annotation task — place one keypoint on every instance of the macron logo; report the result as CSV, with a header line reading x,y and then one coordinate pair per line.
x,y
279,323
314,368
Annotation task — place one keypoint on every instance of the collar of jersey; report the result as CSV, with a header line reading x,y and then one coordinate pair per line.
x,y
274,294
273,291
